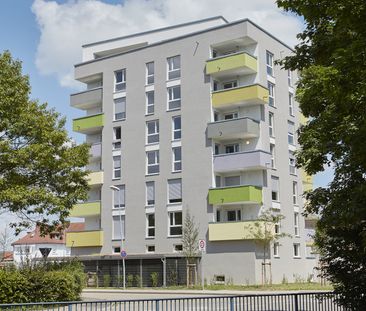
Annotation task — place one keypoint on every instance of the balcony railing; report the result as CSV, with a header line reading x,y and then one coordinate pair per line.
x,y
235,195
233,129
84,238
87,99
89,124
86,209
96,178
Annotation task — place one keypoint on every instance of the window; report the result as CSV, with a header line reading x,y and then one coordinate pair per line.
x,y
174,97
232,181
152,162
116,138
276,249
232,148
271,91
120,108
218,215
275,188
150,248
152,128
120,80
150,193
150,225
289,77
178,248
291,132
150,102
296,224
230,116
118,227
291,104
269,62
216,116
292,163
175,223
177,159
272,150
277,228
294,192
117,167
230,84
218,181
217,148
150,73
296,250
173,67
234,215
215,85
175,190
119,197
177,128
271,124
116,250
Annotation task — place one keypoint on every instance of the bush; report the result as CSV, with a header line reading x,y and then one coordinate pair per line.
x,y
14,287
129,280
138,280
155,279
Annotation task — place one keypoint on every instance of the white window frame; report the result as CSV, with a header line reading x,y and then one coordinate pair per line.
x,y
237,212
231,115
289,77
117,171
236,148
296,224
271,124
291,104
270,63
150,77
171,98
292,163
150,251
272,149
232,84
123,218
150,107
120,86
123,114
150,227
121,204
274,191
177,132
148,203
116,144
277,228
296,249
172,223
291,135
175,250
178,200
271,94
177,164
153,137
173,72
294,193
154,164
276,249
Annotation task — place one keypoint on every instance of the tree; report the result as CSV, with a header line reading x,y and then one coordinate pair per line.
x,y
190,243
41,171
331,91
5,239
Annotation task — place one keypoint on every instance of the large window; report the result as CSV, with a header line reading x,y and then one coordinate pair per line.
x,y
291,132
120,108
271,91
117,167
233,215
150,225
272,149
232,181
152,128
175,223
173,67
292,163
175,190
120,80
150,73
294,192
296,224
150,193
119,197
291,104
269,63
232,148
275,188
177,159
116,138
174,97
271,124
177,128
150,99
152,162
229,84
118,226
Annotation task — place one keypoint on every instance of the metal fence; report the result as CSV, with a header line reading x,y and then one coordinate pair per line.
x,y
324,301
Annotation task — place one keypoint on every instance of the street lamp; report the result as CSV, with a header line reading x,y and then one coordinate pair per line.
x,y
114,188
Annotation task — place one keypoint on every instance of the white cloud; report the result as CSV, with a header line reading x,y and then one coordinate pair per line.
x,y
65,27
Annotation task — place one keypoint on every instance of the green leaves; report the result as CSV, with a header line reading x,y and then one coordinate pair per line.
x,y
41,171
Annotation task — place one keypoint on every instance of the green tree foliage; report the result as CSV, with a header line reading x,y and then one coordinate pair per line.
x,y
190,238
331,56
41,171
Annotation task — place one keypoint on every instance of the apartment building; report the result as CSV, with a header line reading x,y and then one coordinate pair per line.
x,y
195,117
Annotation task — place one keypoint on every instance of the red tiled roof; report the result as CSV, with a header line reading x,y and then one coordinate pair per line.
x,y
6,256
35,237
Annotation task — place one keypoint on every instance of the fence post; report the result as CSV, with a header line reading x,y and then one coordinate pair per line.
x,y
296,303
69,308
231,303
156,305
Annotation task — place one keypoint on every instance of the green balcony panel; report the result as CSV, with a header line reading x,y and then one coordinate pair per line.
x,y
86,209
88,124
234,195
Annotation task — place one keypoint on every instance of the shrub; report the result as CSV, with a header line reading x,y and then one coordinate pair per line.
x,y
106,280
155,279
129,280
138,280
14,287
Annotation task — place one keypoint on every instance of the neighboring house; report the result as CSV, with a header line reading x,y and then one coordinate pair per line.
x,y
31,246
194,116
6,258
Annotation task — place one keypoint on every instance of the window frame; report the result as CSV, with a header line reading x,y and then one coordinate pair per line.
x,y
172,223
123,113
176,130
289,77
294,193
235,146
150,75
148,202
123,219
171,98
122,205
177,163
149,104
270,63
272,150
171,70
296,250
292,163
277,199
291,104
296,224
156,163
271,94
153,135
117,169
290,135
122,82
276,249
149,226
271,124
175,200
116,143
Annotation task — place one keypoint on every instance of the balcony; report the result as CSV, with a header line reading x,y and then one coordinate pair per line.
x,y
89,124
86,209
241,161
240,63
95,150
242,95
233,129
96,178
232,231
84,238
235,195
307,181
87,99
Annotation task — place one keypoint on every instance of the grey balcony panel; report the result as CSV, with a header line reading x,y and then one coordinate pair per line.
x,y
234,128
239,161
87,99
95,150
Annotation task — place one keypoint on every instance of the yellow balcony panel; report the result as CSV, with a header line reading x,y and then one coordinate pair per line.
x,y
307,181
95,178
235,195
242,95
89,124
86,209
231,231
234,64
84,238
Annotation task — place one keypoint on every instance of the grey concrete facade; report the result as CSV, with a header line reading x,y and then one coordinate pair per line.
x,y
239,262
